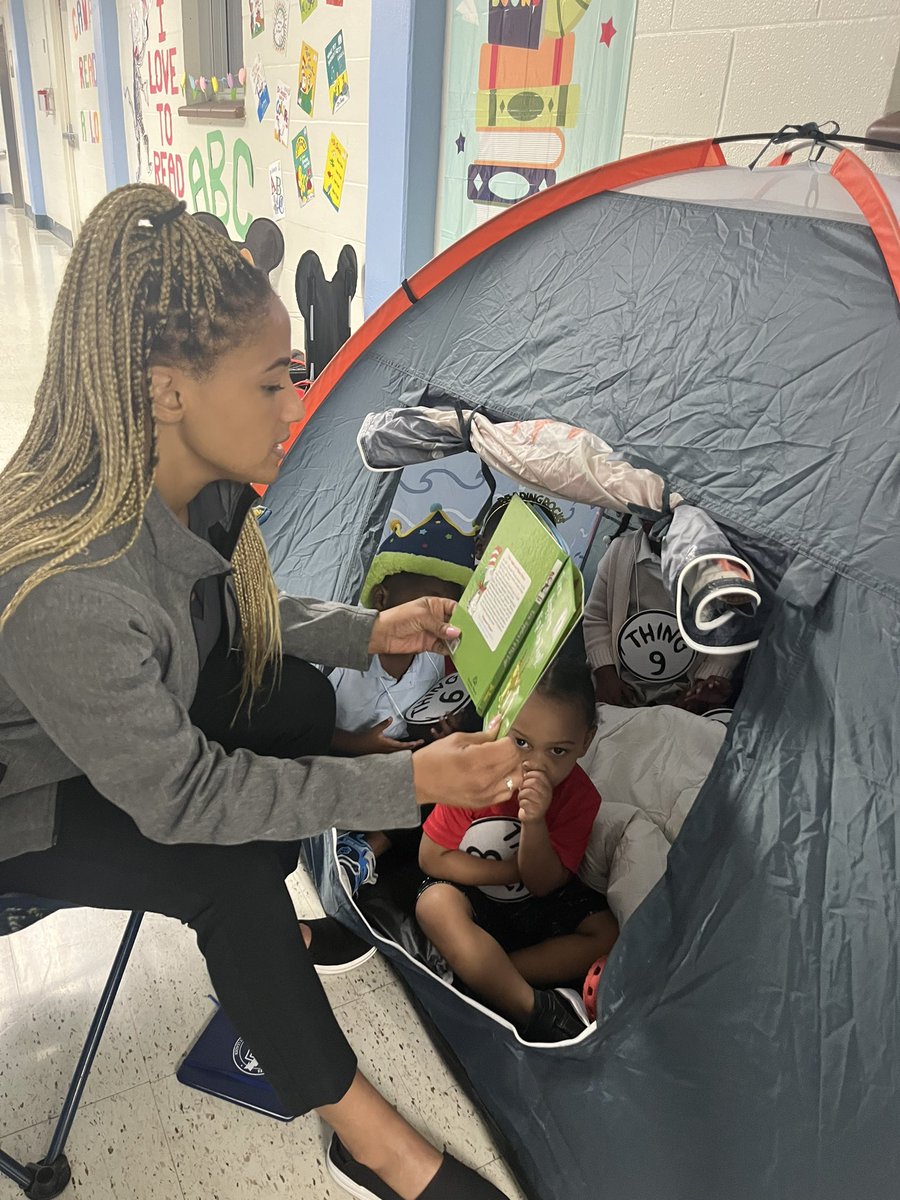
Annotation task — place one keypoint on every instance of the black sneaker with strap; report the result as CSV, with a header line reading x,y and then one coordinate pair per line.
x,y
333,948
453,1181
558,1016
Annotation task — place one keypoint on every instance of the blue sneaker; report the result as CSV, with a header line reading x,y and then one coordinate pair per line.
x,y
357,859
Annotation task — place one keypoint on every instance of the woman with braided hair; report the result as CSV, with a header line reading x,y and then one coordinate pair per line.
x,y
161,729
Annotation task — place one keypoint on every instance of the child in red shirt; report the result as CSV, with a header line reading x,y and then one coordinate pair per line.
x,y
502,904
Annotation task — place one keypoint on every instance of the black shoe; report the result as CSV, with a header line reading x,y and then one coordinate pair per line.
x,y
452,1182
352,1176
335,949
557,1016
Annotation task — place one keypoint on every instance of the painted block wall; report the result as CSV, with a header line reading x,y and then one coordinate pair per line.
x,y
739,66
201,164
78,36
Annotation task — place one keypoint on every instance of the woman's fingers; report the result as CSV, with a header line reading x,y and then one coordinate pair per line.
x,y
467,770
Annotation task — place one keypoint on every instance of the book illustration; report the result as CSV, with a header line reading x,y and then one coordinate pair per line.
x,y
306,85
257,18
519,25
536,148
303,167
511,67
276,189
494,183
280,26
282,113
260,88
336,69
335,170
512,108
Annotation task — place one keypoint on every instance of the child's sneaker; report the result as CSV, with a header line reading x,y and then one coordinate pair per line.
x,y
591,987
557,1016
357,860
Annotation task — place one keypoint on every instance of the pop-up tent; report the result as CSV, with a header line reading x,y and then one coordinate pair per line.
x,y
737,333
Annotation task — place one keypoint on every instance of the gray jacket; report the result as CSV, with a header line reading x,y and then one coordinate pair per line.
x,y
97,670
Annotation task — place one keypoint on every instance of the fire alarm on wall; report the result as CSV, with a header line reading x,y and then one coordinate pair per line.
x,y
45,100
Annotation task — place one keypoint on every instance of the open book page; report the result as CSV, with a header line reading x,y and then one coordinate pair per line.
x,y
510,587
552,625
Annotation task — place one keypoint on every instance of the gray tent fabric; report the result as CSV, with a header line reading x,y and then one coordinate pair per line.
x,y
748,1035
567,462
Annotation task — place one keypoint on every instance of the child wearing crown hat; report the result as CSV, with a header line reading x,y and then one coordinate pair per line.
x,y
434,558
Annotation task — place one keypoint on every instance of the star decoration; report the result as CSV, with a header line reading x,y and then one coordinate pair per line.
x,y
460,143
609,32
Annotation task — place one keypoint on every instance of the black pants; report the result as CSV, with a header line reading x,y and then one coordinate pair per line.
x,y
233,897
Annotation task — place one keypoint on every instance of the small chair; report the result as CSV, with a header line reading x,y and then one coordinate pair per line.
x,y
50,1176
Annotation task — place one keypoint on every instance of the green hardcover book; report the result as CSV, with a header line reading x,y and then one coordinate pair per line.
x,y
521,604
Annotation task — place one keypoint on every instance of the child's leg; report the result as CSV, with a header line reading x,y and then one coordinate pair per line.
x,y
561,959
445,915
379,842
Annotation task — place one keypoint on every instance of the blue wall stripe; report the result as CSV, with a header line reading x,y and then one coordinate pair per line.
x,y
109,91
424,149
405,95
31,146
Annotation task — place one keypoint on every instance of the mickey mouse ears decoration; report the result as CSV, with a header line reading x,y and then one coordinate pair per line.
x,y
263,246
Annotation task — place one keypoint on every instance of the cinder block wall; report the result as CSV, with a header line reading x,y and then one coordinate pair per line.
x,y
704,67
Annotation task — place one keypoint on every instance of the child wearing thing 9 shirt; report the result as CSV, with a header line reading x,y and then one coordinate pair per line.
x,y
501,902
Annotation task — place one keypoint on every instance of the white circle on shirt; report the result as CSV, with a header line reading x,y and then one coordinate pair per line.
x,y
722,715
651,646
442,699
496,839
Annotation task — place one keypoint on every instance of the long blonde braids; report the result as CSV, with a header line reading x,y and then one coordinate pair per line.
x,y
143,283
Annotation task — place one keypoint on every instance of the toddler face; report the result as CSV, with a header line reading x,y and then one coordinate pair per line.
x,y
400,589
551,735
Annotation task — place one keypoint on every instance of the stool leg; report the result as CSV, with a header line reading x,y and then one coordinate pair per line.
x,y
15,1171
95,1033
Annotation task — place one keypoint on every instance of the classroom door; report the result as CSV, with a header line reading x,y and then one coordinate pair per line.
x,y
66,107
9,121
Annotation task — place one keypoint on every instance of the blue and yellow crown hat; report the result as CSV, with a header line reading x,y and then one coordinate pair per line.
x,y
434,547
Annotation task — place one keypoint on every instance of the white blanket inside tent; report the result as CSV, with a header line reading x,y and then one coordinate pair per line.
x,y
648,765
558,459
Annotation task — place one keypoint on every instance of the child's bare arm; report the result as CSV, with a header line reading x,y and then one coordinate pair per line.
x,y
368,741
539,864
458,867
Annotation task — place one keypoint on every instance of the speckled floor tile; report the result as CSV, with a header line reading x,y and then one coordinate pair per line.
x,y
42,1036
385,1024
223,1152
9,987
449,1120
374,1025
66,945
117,1151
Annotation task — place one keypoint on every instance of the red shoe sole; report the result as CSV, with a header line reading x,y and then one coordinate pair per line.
x,y
591,987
